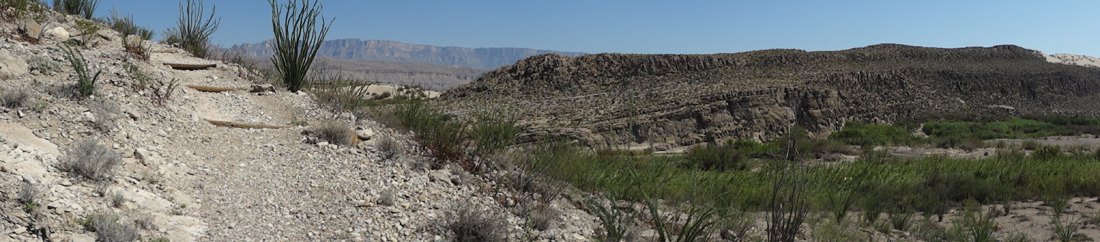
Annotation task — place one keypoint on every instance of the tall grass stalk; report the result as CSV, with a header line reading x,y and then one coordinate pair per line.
x,y
297,39
84,8
192,30
85,80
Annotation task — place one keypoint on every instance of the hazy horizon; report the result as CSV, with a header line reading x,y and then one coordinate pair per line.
x,y
668,27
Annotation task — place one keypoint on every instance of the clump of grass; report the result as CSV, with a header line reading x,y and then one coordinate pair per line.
x,y
117,199
28,196
88,30
614,221
91,160
976,225
387,198
715,157
441,135
158,90
193,30
1047,152
105,112
125,26
861,134
296,39
108,227
14,98
335,132
84,8
85,79
470,224
492,134
43,64
696,226
389,147
539,215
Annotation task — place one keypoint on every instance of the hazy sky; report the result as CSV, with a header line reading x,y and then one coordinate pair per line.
x,y
662,26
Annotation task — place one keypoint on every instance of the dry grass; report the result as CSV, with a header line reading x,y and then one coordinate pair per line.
x,y
470,224
91,160
335,132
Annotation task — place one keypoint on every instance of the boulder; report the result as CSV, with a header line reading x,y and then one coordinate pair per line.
x,y
31,29
148,158
11,66
58,32
134,39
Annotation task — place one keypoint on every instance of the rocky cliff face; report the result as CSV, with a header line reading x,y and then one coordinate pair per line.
x,y
384,50
677,100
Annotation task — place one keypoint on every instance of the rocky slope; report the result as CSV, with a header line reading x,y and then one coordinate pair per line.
x,y
185,179
678,100
385,50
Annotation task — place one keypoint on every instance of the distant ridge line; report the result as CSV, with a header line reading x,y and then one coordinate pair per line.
x,y
388,50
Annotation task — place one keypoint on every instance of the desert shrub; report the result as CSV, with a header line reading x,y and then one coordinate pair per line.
x,y
976,225
157,90
117,199
387,198
14,98
108,227
91,160
696,226
42,64
105,112
435,130
28,195
856,133
1030,145
614,221
296,39
389,147
125,26
138,50
539,215
88,30
22,7
470,224
335,132
1047,152
715,157
84,8
85,80
193,30
492,134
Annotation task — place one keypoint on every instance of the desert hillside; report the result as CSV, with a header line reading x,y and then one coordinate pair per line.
x,y
678,100
143,153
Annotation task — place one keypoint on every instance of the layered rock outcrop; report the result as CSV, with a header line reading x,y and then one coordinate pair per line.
x,y
678,100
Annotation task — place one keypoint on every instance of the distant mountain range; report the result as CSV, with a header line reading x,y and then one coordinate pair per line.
x,y
393,51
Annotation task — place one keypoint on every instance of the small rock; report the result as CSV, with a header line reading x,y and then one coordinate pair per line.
x,y
58,32
262,88
19,230
66,182
31,29
439,175
322,144
134,39
364,134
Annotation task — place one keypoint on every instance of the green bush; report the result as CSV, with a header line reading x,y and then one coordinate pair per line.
x,y
85,80
192,31
84,8
492,133
715,157
856,133
1047,152
296,39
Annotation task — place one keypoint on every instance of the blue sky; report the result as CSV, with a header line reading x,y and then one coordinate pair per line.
x,y
656,26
